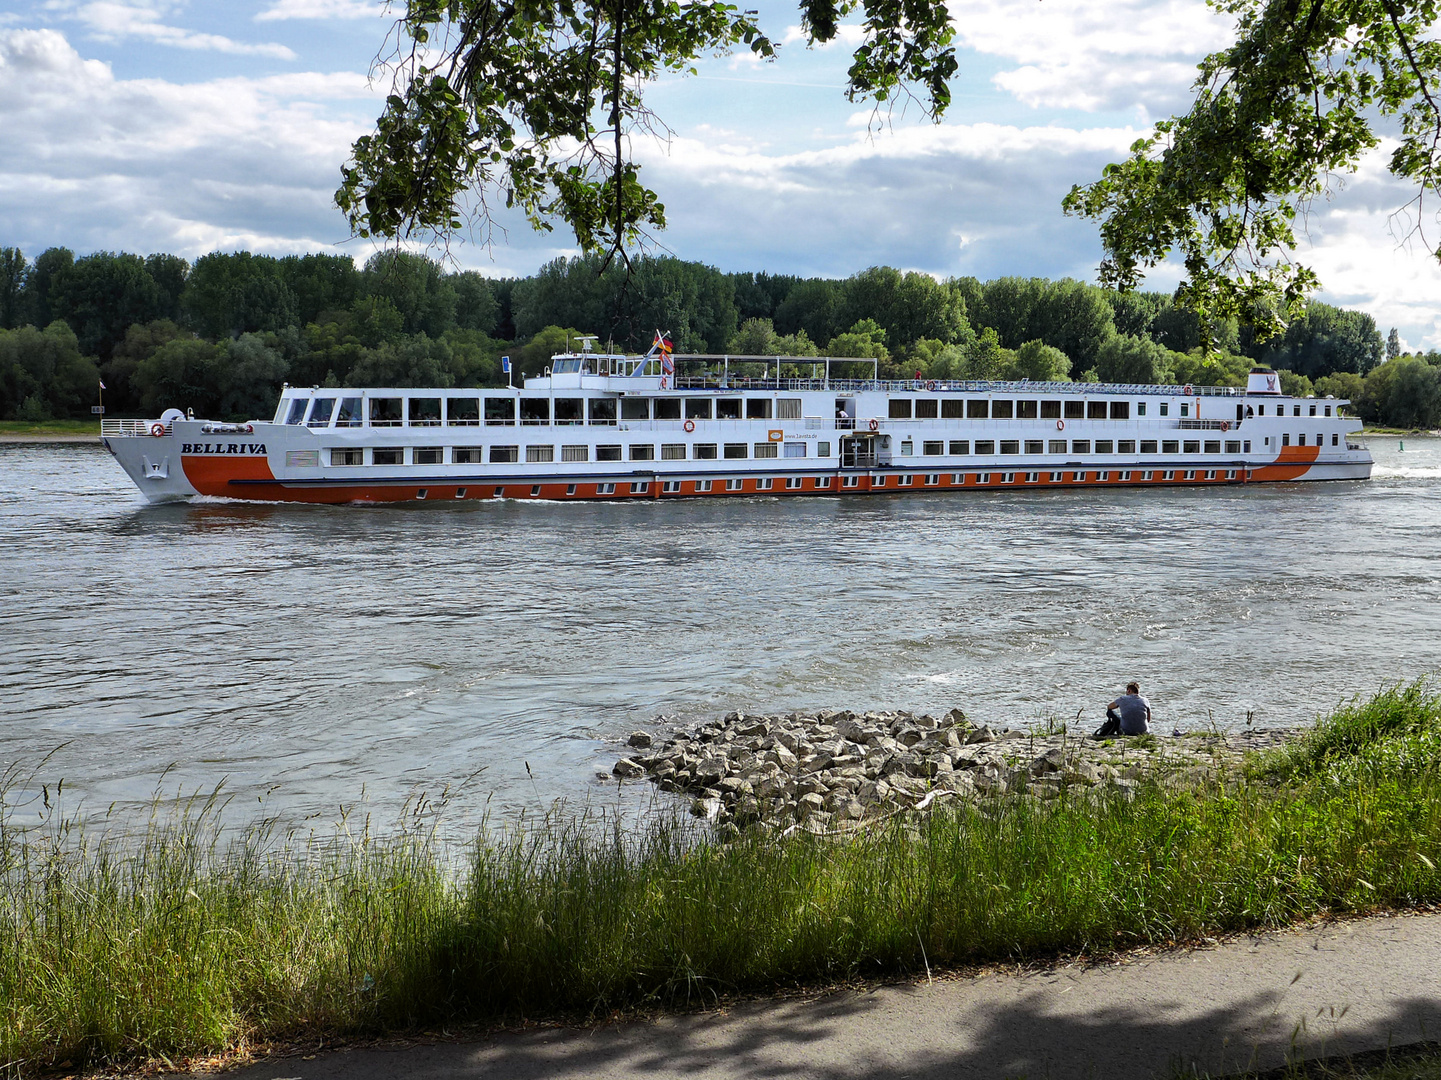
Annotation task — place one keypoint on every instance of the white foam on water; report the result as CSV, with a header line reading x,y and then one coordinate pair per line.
x,y
1420,472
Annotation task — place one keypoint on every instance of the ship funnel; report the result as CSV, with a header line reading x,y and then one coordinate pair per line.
x,y
1263,381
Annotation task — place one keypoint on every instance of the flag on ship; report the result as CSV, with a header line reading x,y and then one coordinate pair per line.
x,y
667,362
102,384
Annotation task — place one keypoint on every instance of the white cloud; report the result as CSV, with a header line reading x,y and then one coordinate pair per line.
x,y
93,161
323,9
1078,54
111,20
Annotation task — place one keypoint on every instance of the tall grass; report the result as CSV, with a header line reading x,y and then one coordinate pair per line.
x,y
183,941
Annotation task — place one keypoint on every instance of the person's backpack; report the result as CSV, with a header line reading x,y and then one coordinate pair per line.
x,y
1110,728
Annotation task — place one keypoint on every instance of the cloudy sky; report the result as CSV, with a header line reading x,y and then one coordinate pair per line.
x,y
160,125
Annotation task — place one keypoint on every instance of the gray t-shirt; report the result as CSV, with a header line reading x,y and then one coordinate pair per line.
x,y
1132,709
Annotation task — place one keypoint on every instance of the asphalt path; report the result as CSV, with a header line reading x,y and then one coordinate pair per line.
x,y
1248,1003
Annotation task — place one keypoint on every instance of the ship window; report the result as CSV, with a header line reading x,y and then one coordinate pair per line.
x,y
1010,446
758,408
849,481
1148,446
977,410
905,481
1103,476
1185,410
429,455
703,451
385,411
953,408
985,446
607,453
1095,410
900,409
908,448
958,478
1075,410
1056,477
823,449
1213,446
1169,474
960,446
1170,446
460,493
297,411
789,408
1080,446
1056,446
1050,410
1233,446
498,411
1191,446
702,485
766,449
1035,446
1297,409
672,452
823,482
1328,410
350,412
569,489
602,410
642,452
1301,439
424,412
1103,446
574,453
1147,475
1334,440
670,485
927,409
1026,410
697,408
667,408
1002,410
734,485
1313,410
983,478
320,412
639,488
569,410
728,408
1246,446
795,449
466,455
933,447
635,408
1285,440
1126,446
388,456
735,450
347,457
533,410
1165,408
605,489
540,453
1120,410
1141,411
1078,477
504,453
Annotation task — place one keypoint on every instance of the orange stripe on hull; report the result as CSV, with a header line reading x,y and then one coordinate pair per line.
x,y
210,474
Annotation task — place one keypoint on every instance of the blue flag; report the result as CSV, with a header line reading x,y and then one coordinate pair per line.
x,y
505,365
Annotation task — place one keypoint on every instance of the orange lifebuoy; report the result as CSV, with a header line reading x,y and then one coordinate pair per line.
x,y
875,425
931,385
1225,425
1186,390
690,425
1060,425
157,429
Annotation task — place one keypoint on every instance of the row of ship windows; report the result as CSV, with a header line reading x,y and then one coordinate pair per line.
x,y
823,483
475,455
983,409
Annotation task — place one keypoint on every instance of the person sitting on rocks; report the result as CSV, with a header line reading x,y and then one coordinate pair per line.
x,y
1129,714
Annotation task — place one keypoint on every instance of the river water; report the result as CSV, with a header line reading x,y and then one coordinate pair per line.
x,y
311,659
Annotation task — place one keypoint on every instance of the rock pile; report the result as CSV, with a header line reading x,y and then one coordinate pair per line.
x,y
832,770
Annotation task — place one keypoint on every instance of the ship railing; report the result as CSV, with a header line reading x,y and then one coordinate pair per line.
x,y
715,382
128,427
1208,425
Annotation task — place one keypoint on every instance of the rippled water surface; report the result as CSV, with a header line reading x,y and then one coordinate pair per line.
x,y
299,653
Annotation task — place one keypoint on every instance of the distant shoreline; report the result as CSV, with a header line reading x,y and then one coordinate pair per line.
x,y
9,438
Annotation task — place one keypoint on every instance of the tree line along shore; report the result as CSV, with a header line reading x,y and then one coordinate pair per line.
x,y
222,334
189,940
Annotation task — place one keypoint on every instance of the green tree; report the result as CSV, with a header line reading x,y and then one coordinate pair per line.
x,y
13,268
169,272
939,359
813,306
44,375
988,358
229,294
1307,88
1343,384
254,370
907,306
1039,362
535,106
1067,315
416,288
534,357
1294,384
866,339
141,341
48,265
475,303
1325,339
1405,393
320,283
756,337
797,344
1200,368
1125,359
185,373
1393,344
101,295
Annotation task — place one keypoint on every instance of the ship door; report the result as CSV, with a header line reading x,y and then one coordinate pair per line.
x,y
858,452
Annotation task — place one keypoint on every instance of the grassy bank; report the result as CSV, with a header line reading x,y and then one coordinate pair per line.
x,y
183,943
49,428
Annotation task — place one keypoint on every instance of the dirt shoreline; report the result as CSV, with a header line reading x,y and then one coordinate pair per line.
x,y
7,438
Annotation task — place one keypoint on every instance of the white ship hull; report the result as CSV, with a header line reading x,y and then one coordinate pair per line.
x,y
589,434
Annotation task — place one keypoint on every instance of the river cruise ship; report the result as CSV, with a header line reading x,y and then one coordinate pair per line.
x,y
601,426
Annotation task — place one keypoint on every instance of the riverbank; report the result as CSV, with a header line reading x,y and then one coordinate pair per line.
x,y
189,941
50,431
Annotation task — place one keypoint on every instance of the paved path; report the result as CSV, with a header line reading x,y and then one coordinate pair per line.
x,y
1341,988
